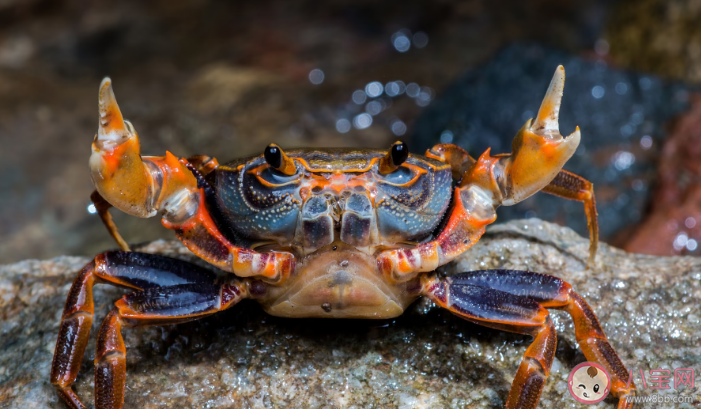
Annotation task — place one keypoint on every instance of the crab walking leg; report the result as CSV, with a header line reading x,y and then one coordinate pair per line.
x,y
103,206
570,186
507,312
155,306
552,292
145,186
125,269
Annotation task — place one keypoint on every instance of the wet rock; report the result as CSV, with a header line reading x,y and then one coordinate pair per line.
x,y
622,116
242,358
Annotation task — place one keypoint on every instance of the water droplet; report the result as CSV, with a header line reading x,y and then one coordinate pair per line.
x,y
692,245
359,97
646,142
362,121
343,125
447,136
398,128
680,241
401,41
373,108
621,88
690,222
392,89
645,83
413,90
420,39
374,89
623,160
601,47
316,76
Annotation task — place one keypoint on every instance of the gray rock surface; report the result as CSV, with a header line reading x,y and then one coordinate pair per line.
x,y
242,358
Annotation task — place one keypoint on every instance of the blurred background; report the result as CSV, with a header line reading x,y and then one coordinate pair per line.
x,y
227,78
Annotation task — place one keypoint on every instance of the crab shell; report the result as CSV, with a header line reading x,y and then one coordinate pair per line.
x,y
335,213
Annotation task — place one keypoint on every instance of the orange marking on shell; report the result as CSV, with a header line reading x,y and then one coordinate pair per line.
x,y
481,172
461,231
404,261
259,169
549,149
175,171
304,193
113,158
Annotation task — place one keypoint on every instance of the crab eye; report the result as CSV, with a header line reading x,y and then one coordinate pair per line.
x,y
273,155
277,160
399,153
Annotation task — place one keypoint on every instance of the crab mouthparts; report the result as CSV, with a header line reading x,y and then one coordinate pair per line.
x,y
341,283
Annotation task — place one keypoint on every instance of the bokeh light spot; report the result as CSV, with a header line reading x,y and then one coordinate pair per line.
x,y
343,125
316,76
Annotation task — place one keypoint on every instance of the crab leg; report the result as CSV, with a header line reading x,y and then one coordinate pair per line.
x,y
137,271
124,269
507,312
570,186
552,292
103,206
155,306
539,152
145,186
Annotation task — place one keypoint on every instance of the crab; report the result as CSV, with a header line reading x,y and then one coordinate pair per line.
x,y
327,233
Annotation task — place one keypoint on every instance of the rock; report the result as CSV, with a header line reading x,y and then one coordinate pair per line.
x,y
622,116
241,358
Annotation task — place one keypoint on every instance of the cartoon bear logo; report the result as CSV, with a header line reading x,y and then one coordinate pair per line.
x,y
589,383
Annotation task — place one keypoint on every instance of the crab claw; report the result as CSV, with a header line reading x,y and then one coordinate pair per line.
x,y
546,123
118,172
538,153
113,130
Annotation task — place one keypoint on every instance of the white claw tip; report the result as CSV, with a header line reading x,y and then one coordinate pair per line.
x,y
111,127
546,122
105,81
